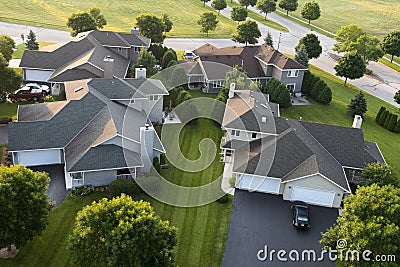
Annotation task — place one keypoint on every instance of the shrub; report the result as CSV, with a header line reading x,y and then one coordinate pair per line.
x,y
224,199
307,79
381,110
358,105
156,164
183,96
82,190
283,96
5,120
397,129
168,56
387,120
158,51
232,181
270,88
49,98
163,159
126,186
382,118
316,88
392,123
325,95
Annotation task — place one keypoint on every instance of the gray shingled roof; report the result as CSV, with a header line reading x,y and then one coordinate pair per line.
x,y
106,157
109,38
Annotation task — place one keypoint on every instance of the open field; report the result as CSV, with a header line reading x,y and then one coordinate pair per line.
x,y
375,17
335,113
21,48
120,15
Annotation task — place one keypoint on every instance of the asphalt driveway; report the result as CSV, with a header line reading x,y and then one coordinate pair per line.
x,y
260,220
3,134
56,191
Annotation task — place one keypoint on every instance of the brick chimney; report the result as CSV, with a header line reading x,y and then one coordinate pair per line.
x,y
108,66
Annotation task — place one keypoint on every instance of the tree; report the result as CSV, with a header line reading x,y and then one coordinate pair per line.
x,y
367,47
10,80
397,97
168,56
351,66
219,5
266,6
183,96
239,77
268,40
391,44
167,23
397,129
247,32
147,60
270,87
31,43
316,88
208,22
247,3
345,36
121,232
312,44
380,112
288,5
378,173
7,46
358,105
151,26
325,95
301,55
370,220
24,205
204,2
283,96
307,81
392,123
81,22
99,19
387,120
310,11
383,117
158,51
239,13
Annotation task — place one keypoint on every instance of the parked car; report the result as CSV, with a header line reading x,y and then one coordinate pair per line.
x,y
30,91
301,218
189,54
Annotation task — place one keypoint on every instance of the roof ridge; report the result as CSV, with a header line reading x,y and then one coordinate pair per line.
x,y
298,166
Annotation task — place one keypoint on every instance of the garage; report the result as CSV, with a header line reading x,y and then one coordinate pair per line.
x,y
259,184
37,75
313,196
39,157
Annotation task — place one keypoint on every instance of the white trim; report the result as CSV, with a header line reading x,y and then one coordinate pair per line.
x,y
29,68
97,67
296,73
106,140
39,149
354,168
274,178
380,152
110,169
127,138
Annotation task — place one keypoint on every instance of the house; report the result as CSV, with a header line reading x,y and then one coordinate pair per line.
x,y
260,62
101,132
299,160
90,54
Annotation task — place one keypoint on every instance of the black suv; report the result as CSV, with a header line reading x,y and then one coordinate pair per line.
x,y
301,218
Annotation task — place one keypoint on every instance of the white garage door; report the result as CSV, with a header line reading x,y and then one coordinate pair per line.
x,y
37,75
313,196
39,157
259,184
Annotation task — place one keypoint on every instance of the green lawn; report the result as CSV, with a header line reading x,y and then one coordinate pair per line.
x,y
335,113
390,64
119,15
261,19
375,17
21,48
9,110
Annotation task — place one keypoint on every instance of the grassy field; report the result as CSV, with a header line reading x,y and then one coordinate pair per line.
x,y
390,64
335,113
21,48
120,15
9,110
375,17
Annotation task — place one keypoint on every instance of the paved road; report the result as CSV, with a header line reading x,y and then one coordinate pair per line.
x,y
3,135
385,83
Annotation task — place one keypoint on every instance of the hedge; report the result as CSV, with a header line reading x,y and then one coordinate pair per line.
x,y
126,186
5,120
316,88
388,120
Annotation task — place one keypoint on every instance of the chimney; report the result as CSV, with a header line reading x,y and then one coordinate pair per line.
x,y
135,31
140,72
108,66
146,146
232,90
357,122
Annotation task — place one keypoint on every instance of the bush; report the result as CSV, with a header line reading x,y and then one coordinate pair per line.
x,y
316,88
168,56
387,120
82,190
224,199
307,79
392,123
158,51
270,88
232,181
5,120
283,96
397,129
183,96
382,118
156,164
49,98
381,110
163,159
126,186
325,95
358,105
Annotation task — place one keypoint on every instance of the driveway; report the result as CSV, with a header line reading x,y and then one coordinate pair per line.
x,y
56,191
260,220
3,134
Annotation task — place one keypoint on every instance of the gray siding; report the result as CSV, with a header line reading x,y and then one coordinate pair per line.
x,y
100,177
293,80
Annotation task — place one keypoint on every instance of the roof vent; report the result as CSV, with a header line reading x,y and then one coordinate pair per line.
x,y
264,119
78,89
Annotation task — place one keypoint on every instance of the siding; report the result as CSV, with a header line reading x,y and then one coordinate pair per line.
x,y
313,182
100,177
296,80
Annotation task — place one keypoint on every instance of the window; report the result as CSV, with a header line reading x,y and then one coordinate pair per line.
x,y
235,132
254,135
137,49
291,87
153,97
217,84
76,175
293,73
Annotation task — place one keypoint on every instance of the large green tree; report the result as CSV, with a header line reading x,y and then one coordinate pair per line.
x,y
312,44
167,23
391,44
288,5
168,56
351,66
24,205
121,232
247,32
301,55
268,39
99,19
151,26
358,105
86,21
147,60
239,13
266,6
10,80
397,97
310,11
345,36
370,220
31,43
208,22
7,46
367,47
219,5
247,3
378,173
